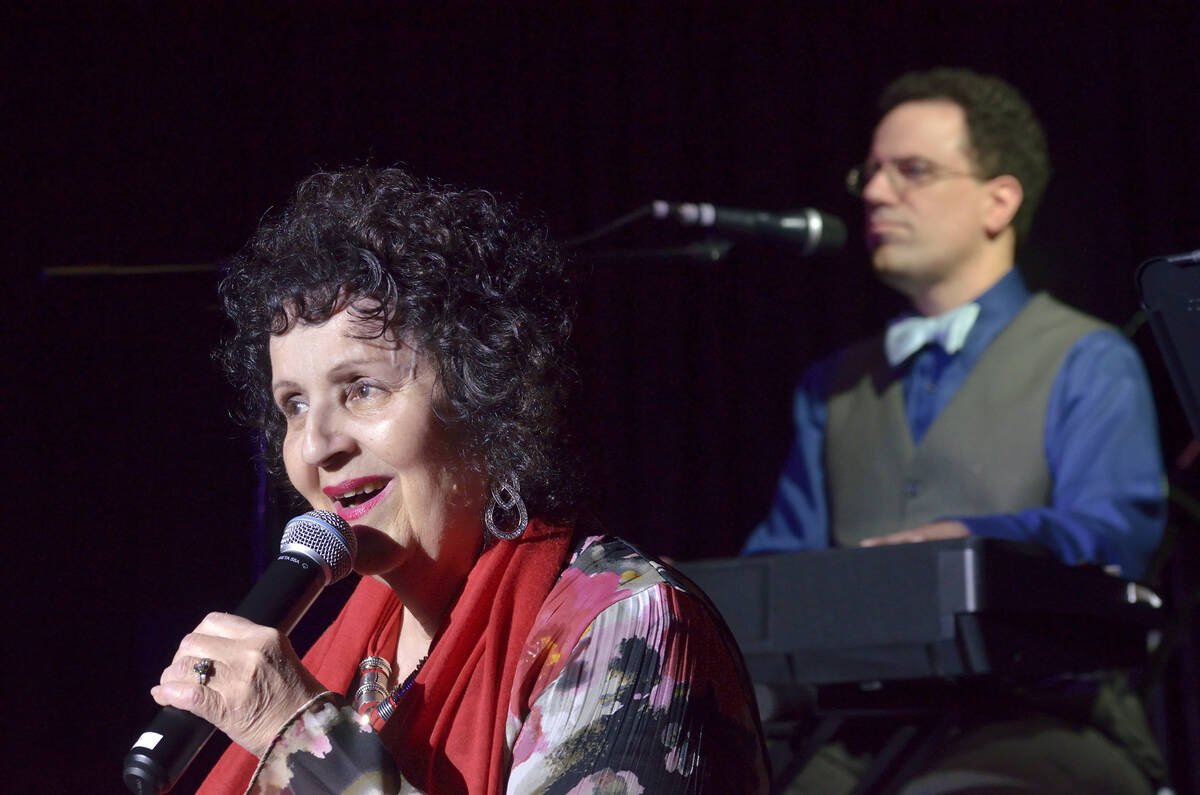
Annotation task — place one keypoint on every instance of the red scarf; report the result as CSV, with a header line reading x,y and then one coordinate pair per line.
x,y
448,733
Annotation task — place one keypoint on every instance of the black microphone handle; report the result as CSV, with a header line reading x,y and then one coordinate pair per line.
x,y
279,599
284,593
177,736
734,218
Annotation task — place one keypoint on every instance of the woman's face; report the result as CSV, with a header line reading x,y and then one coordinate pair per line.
x,y
362,440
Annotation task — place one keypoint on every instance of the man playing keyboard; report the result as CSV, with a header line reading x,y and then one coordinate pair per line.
x,y
987,410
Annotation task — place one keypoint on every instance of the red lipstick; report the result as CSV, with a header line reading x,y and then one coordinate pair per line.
x,y
375,486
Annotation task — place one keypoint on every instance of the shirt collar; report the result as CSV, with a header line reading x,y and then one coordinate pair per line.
x,y
1001,302
998,305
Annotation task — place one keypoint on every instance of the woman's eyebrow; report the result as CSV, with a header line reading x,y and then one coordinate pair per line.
x,y
346,367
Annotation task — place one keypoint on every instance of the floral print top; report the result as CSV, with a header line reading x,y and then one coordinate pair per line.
x,y
638,688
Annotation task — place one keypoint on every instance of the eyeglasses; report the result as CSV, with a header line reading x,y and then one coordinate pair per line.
x,y
903,173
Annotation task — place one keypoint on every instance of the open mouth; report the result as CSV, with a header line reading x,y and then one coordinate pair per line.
x,y
354,499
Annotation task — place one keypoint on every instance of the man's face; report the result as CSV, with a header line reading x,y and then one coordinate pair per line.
x,y
924,208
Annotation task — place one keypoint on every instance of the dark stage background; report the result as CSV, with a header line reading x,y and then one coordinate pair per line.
x,y
150,134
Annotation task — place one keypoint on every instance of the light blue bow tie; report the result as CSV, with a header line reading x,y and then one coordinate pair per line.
x,y
949,329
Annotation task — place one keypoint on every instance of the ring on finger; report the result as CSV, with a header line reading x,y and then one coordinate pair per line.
x,y
204,670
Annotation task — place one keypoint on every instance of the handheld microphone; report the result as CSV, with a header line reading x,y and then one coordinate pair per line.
x,y
814,230
317,549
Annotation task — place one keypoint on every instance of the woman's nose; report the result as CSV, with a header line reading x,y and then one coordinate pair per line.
x,y
326,439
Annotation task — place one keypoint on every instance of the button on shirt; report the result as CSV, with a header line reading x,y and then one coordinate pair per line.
x,y
1109,498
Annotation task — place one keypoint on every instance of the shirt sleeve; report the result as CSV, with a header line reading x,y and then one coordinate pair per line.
x,y
650,700
327,748
1108,502
799,516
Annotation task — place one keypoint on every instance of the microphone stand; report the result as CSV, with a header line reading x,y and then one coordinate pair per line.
x,y
105,269
712,249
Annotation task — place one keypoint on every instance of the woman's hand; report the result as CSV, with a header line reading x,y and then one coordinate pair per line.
x,y
256,685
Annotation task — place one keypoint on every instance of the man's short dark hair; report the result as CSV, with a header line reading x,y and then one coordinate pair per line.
x,y
1006,137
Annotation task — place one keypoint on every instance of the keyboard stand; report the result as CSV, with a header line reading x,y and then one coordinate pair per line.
x,y
922,723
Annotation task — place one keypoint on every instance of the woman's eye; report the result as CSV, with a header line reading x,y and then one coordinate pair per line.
x,y
361,390
292,407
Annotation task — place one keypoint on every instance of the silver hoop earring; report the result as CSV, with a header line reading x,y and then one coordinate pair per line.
x,y
507,496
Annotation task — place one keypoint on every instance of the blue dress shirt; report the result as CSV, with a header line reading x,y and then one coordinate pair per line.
x,y
1108,503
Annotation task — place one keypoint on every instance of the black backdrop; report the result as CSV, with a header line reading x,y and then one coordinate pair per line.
x,y
150,134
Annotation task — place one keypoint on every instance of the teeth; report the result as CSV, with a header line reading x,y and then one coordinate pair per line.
x,y
364,490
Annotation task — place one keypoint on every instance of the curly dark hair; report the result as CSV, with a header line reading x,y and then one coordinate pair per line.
x,y
1006,137
480,291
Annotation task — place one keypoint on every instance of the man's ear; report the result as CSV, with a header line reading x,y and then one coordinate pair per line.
x,y
1004,196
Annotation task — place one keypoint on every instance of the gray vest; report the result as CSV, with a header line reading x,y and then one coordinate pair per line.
x,y
984,453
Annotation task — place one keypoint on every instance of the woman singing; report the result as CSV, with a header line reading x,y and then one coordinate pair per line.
x,y
403,347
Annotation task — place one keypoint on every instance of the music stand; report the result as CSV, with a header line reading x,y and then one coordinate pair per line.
x,y
1169,288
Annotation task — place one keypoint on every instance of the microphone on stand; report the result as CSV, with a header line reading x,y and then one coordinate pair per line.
x,y
815,231
317,549
1187,258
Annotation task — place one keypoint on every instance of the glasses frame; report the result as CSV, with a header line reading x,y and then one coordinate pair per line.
x,y
928,172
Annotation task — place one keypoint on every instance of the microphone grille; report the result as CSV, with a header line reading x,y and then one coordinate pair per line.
x,y
833,235
328,537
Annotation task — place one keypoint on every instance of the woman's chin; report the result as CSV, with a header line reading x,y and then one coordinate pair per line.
x,y
378,552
